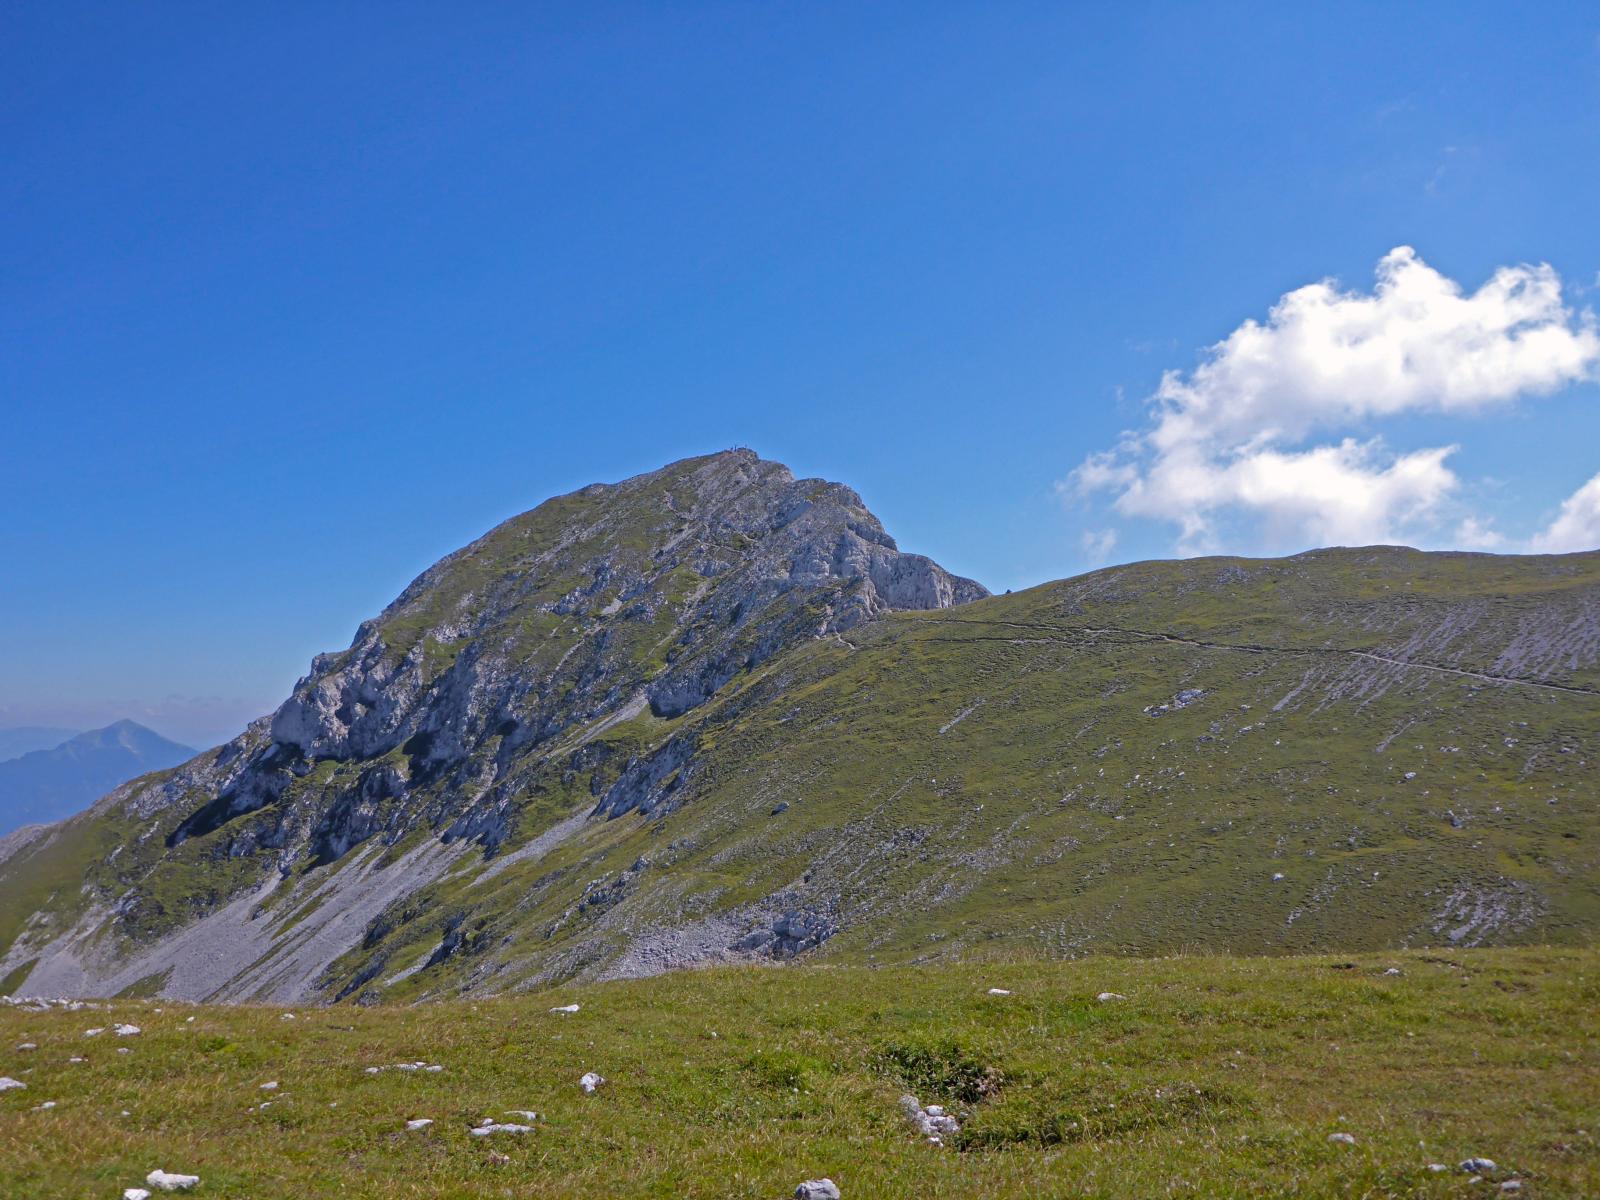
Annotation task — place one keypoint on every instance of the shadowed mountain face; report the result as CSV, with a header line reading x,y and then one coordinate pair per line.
x,y
713,714
48,785
25,739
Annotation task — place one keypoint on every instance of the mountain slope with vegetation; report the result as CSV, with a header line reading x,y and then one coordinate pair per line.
x,y
712,714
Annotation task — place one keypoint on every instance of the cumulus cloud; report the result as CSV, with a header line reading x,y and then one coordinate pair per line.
x,y
1576,526
1098,544
1229,437
1473,534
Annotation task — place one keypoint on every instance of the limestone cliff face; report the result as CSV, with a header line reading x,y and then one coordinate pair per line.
x,y
648,595
666,586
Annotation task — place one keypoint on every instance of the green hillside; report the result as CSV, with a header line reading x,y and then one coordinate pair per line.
x,y
686,720
988,779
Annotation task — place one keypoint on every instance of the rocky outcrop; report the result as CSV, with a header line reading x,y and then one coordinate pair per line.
x,y
653,594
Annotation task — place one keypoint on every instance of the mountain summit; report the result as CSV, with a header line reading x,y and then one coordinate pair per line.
x,y
713,713
49,784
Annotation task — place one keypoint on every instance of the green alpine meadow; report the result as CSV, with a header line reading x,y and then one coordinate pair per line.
x,y
686,837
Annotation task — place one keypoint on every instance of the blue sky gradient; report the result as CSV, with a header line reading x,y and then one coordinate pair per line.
x,y
297,299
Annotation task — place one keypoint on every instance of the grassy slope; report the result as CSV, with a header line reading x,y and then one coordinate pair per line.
x,y
1057,817
1215,1076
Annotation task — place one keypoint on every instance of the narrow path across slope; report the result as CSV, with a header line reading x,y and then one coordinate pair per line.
x,y
1088,634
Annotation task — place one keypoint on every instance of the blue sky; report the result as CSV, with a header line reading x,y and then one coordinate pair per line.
x,y
297,299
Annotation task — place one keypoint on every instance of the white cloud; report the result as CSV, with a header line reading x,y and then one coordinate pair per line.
x,y
1098,544
1576,526
1226,438
1473,534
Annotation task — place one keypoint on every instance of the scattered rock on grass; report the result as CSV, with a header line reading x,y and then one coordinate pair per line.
x,y
565,1008
817,1189
590,1081
489,1125
1476,1166
27,1046
135,1194
1344,1139
1104,996
170,1181
419,1123
7,1083
125,1030
999,991
932,1122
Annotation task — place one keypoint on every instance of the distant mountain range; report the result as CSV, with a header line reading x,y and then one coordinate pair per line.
x,y
25,739
49,784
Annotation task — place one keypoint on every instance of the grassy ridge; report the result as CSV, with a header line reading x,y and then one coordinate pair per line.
x,y
1214,1076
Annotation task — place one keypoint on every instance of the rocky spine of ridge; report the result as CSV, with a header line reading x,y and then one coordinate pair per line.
x,y
650,594
731,554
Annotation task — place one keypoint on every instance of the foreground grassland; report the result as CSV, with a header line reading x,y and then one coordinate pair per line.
x,y
1213,1076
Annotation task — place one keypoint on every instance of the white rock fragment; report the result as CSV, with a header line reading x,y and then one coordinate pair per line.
x,y
932,1122
45,1107
1436,1168
76,1058
125,1030
169,1181
817,1189
287,1017
123,1050
565,1008
96,1032
1277,877
27,1046
1344,1139
526,1114
135,1194
1511,1185
999,991
270,1086
188,1020
1476,1166
491,1126
7,1083
1104,996
419,1123
591,1081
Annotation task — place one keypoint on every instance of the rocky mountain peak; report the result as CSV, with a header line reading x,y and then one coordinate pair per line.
x,y
651,594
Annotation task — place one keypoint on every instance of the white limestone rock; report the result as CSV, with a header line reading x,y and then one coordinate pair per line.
x,y
171,1181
